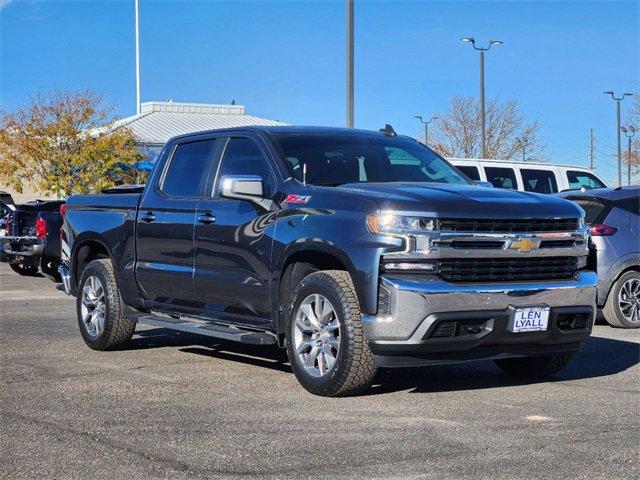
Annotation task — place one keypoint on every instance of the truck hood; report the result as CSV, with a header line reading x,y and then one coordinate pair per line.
x,y
442,200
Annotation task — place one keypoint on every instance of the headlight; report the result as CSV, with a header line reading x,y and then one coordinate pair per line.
x,y
399,224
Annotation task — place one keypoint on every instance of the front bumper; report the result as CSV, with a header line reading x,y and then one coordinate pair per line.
x,y
417,305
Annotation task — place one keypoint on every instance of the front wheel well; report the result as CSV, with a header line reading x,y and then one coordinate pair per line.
x,y
301,264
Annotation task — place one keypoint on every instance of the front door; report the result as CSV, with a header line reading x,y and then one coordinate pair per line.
x,y
233,240
165,246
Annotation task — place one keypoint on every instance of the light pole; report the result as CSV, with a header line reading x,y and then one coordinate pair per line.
x,y
472,41
349,79
137,58
523,142
629,133
618,101
426,127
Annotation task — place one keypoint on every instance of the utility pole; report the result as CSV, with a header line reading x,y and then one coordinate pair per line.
x,y
349,79
483,136
591,148
618,130
425,123
629,133
137,59
523,142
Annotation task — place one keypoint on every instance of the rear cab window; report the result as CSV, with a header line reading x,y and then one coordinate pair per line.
x,y
188,170
577,180
501,177
539,181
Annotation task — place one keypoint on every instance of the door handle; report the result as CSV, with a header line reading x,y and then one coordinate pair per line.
x,y
148,217
207,218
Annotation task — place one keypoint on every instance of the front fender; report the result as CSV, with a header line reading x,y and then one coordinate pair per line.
x,y
342,234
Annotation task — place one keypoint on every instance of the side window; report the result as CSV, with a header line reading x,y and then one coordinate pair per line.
x,y
243,157
539,181
186,175
578,180
501,177
469,171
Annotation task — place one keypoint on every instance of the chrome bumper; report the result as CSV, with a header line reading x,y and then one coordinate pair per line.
x,y
66,278
414,301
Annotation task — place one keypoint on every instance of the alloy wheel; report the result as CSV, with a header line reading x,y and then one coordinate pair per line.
x,y
93,306
316,335
629,300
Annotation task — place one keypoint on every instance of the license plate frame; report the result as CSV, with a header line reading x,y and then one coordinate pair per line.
x,y
528,318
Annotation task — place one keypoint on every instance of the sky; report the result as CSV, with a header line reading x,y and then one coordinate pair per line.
x,y
285,60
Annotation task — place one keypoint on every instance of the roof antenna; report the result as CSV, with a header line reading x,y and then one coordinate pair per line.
x,y
304,174
388,131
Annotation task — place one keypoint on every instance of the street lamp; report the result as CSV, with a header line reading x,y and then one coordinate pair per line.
x,y
523,142
426,127
472,41
629,133
618,100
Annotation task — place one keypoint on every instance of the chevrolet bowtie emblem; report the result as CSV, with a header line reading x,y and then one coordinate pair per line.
x,y
524,244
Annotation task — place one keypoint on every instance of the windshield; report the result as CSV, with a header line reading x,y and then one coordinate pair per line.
x,y
334,159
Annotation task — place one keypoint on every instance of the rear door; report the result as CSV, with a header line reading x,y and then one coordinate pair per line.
x,y
234,238
165,247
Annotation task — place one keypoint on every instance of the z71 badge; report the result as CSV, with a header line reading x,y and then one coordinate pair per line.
x,y
293,198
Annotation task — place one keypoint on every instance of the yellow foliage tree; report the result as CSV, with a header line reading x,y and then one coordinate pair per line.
x,y
65,143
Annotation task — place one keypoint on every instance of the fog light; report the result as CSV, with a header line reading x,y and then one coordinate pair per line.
x,y
410,266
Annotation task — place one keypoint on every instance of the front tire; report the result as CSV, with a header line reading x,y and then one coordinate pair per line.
x,y
622,308
325,344
99,308
534,367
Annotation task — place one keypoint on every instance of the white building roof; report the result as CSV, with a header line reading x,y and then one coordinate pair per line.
x,y
160,121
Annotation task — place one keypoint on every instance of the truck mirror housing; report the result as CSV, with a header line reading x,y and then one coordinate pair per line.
x,y
245,187
480,183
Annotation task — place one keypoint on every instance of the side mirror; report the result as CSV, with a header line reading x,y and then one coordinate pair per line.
x,y
244,187
480,183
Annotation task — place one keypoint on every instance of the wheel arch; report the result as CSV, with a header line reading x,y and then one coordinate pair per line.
x,y
624,265
87,248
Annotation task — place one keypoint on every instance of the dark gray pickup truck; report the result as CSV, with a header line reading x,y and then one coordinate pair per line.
x,y
351,249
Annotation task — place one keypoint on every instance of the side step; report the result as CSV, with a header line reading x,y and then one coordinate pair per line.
x,y
210,330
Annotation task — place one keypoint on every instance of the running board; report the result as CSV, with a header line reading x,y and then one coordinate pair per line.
x,y
210,330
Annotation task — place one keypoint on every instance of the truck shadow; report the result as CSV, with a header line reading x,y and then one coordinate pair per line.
x,y
599,357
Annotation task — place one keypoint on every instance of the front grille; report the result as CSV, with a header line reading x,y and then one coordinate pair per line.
x,y
507,269
507,226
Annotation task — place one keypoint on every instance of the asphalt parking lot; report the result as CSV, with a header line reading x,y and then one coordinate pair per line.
x,y
181,406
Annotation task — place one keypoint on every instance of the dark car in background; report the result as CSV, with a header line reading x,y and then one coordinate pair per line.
x,y
613,217
30,238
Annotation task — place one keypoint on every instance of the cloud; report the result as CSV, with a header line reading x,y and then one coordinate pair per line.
x,y
4,3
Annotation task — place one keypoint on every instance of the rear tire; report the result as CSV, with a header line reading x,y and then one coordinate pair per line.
x,y
326,347
24,270
622,308
534,367
99,308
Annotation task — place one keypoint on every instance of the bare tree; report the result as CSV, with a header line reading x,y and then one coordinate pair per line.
x,y
457,132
